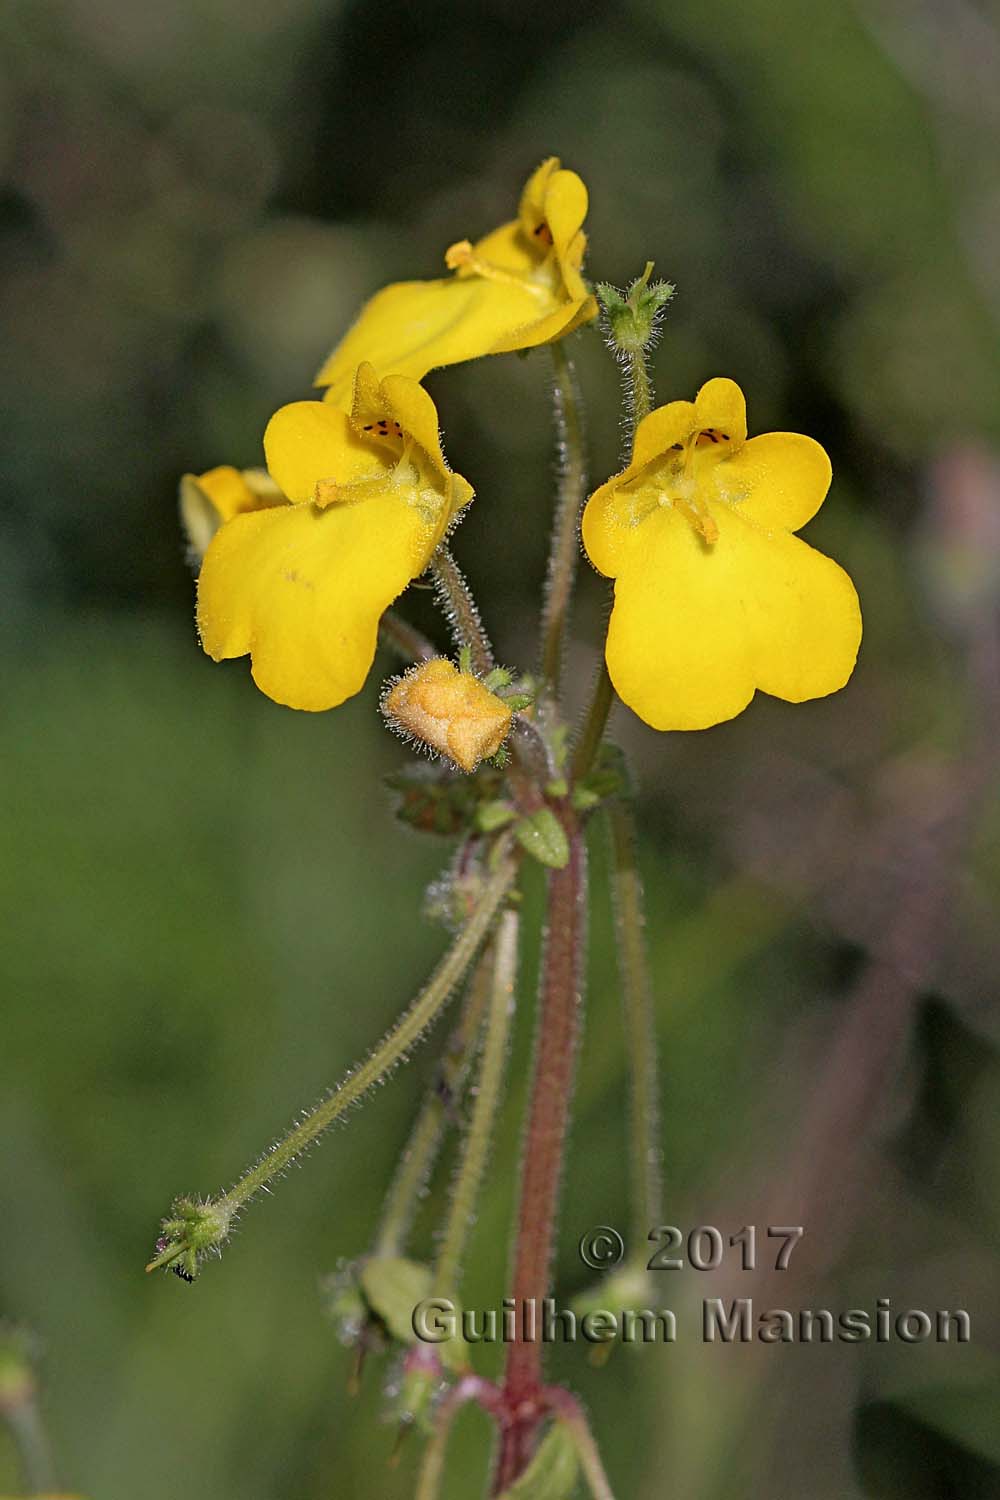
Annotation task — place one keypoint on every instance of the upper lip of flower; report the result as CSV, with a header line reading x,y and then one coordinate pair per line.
x,y
518,286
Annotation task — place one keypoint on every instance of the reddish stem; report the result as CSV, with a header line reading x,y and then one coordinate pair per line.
x,y
560,1005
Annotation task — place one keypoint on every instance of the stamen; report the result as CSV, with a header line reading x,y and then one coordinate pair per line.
x,y
462,257
703,523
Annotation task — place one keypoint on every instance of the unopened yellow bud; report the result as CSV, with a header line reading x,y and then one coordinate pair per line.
x,y
449,710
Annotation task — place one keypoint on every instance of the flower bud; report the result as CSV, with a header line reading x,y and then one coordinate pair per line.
x,y
449,711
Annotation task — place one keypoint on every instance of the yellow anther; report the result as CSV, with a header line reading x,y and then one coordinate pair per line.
x,y
703,523
462,257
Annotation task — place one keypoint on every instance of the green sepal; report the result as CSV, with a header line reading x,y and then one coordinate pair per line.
x,y
499,677
393,1286
552,1473
195,1230
517,701
632,315
543,837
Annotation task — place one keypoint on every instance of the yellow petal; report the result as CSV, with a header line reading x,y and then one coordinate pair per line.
x,y
510,248
566,202
416,413
531,208
555,325
417,326
208,500
230,492
657,433
779,479
721,406
312,441
302,590
697,628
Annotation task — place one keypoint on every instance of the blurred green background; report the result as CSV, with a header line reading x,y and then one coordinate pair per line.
x,y
208,909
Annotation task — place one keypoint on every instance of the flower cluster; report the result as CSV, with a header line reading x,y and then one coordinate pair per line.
x,y
715,596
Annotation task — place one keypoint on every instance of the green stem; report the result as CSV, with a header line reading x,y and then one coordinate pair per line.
x,y
25,1423
206,1225
469,1177
460,610
445,1090
571,1414
594,724
403,638
469,1388
565,548
640,1027
397,1044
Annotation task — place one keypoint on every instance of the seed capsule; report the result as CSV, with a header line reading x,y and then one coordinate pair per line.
x,y
449,711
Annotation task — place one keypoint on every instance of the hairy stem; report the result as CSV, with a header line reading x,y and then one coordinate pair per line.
x,y
561,1000
469,1388
640,1028
208,1225
461,610
403,638
441,1098
478,1139
571,1414
564,550
401,1038
594,723
640,398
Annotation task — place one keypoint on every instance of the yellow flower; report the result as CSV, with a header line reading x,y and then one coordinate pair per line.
x,y
714,596
449,711
302,586
518,287
209,499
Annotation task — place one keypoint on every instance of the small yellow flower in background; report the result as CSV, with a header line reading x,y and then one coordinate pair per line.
x,y
449,711
518,287
207,500
714,596
301,586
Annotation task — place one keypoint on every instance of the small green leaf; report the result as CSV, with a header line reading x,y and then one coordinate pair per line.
x,y
543,837
552,1473
584,799
394,1286
516,701
493,815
